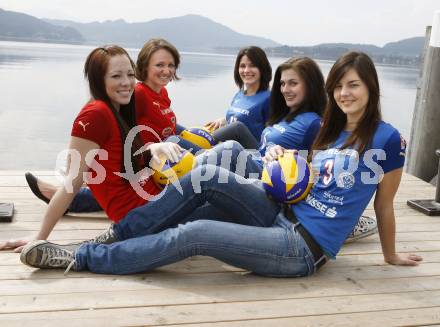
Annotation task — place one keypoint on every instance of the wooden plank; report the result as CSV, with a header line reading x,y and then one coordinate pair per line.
x,y
165,315
291,289
417,317
63,224
330,272
57,234
363,246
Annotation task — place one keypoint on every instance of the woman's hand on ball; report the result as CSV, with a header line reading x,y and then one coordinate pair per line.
x,y
169,150
216,124
273,152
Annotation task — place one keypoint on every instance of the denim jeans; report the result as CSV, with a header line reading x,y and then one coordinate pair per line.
x,y
242,200
230,155
269,245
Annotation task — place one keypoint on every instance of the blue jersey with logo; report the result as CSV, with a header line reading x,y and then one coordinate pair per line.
x,y
345,182
252,111
297,134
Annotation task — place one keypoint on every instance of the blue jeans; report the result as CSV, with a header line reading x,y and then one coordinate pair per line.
x,y
225,154
242,200
269,245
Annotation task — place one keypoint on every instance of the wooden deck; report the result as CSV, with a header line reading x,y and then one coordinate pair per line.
x,y
356,289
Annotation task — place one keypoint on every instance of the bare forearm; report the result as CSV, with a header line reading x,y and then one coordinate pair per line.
x,y
387,232
58,205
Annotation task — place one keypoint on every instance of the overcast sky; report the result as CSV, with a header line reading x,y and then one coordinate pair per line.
x,y
291,22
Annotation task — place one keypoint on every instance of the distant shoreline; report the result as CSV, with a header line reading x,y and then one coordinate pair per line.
x,y
207,52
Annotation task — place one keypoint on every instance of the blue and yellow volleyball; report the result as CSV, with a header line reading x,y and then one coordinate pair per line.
x,y
167,172
199,136
288,179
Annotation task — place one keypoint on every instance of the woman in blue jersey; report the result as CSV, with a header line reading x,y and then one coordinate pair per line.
x,y
360,155
246,117
297,100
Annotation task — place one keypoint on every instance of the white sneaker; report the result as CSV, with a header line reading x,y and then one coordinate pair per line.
x,y
366,226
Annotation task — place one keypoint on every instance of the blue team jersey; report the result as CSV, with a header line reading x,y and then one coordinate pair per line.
x,y
297,134
252,111
345,182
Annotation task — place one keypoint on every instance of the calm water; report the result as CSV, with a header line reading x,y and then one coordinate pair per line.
x,y
43,90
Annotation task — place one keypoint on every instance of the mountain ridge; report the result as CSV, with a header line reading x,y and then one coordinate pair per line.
x,y
188,33
185,32
19,26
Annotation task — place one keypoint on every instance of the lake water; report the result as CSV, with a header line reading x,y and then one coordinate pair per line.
x,y
42,90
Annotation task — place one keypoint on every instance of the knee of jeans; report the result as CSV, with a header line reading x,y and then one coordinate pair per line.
x,y
173,139
240,124
190,234
202,176
233,145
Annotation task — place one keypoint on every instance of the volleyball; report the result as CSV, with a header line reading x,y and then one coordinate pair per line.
x,y
167,172
199,136
288,179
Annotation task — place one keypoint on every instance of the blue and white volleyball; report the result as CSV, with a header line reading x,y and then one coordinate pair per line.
x,y
288,179
199,136
167,172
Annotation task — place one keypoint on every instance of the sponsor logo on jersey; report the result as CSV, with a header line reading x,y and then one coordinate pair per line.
x,y
83,125
167,132
166,111
279,128
321,207
333,198
240,111
345,180
344,152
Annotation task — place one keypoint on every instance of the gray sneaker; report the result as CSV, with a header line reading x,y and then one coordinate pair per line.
x,y
366,226
43,254
107,237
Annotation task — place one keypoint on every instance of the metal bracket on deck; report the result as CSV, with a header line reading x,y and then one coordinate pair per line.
x,y
429,207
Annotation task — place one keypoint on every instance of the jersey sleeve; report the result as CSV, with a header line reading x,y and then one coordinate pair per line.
x,y
233,98
311,132
395,150
93,125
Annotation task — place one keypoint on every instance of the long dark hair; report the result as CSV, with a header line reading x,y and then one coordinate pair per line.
x,y
95,68
258,57
315,98
335,119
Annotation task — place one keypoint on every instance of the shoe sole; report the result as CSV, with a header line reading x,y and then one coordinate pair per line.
x,y
33,185
364,235
27,249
